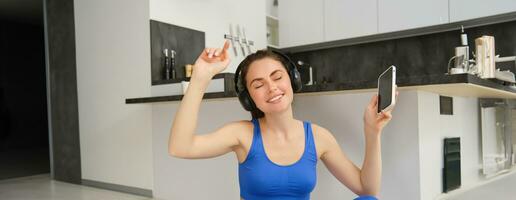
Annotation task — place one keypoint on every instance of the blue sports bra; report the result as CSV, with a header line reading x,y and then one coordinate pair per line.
x,y
262,179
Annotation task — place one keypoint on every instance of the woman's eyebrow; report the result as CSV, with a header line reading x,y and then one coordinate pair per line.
x,y
275,71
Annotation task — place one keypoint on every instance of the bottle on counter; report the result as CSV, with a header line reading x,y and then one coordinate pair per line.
x,y
173,63
188,70
167,64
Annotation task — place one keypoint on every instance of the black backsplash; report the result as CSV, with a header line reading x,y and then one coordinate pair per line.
x,y
417,56
187,43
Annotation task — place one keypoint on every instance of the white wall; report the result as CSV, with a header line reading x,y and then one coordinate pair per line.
x,y
113,63
271,9
433,128
342,114
215,178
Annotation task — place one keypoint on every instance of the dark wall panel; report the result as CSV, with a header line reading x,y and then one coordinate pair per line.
x,y
414,56
187,43
62,83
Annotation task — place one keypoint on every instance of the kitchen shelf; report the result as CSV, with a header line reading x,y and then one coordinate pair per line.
x,y
179,80
464,85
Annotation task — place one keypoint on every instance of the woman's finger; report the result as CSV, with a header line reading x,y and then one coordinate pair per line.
x,y
217,52
381,116
226,45
212,51
209,51
374,101
388,114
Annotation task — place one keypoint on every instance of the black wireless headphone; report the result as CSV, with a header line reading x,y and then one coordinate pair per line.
x,y
241,89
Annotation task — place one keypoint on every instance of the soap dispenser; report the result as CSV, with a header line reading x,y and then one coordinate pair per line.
x,y
462,52
461,57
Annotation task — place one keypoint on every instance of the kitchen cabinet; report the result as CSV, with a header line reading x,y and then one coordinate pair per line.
x,y
396,15
305,22
470,9
300,22
214,19
347,18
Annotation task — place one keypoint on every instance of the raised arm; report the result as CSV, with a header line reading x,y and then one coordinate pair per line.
x,y
183,141
365,181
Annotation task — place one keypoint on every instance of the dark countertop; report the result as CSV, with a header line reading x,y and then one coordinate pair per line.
x,y
402,82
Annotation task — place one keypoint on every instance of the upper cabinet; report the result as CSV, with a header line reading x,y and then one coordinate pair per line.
x,y
300,22
469,9
395,15
303,22
349,18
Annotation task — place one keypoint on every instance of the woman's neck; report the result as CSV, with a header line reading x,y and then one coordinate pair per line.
x,y
279,124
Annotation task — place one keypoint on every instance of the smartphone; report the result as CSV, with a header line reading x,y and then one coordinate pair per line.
x,y
387,89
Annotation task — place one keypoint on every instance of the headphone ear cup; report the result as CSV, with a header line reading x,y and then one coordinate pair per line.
x,y
296,79
295,76
246,101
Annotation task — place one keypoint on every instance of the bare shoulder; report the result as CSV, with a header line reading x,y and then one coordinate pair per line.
x,y
235,126
324,139
240,129
243,131
321,133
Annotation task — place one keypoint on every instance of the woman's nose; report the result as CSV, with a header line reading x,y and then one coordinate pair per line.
x,y
273,87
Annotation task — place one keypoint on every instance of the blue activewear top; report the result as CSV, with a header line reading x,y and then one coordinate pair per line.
x,y
262,179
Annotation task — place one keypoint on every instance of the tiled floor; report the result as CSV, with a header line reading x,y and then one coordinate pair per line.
x,y
41,187
501,187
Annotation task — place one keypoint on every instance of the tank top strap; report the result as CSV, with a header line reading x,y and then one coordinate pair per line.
x,y
310,143
256,146
256,129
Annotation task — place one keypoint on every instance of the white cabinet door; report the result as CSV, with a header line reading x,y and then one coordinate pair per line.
x,y
350,18
470,9
300,22
395,15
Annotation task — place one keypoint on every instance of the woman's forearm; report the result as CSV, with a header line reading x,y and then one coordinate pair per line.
x,y
185,121
371,172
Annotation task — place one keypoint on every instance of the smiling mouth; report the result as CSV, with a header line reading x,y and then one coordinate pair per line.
x,y
275,99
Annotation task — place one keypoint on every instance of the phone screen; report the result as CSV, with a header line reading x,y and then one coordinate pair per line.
x,y
385,87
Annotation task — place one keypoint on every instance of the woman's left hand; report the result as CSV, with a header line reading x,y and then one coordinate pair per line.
x,y
373,121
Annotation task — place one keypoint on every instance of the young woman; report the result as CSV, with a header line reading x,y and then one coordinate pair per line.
x,y
277,153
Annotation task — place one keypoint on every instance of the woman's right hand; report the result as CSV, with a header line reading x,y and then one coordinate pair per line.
x,y
211,62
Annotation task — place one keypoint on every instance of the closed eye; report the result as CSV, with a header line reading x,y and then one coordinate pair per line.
x,y
277,75
258,85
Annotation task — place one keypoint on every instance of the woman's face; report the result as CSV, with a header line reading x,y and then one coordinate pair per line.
x,y
268,84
